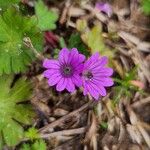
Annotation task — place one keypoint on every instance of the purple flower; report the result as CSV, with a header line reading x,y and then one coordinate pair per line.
x,y
65,72
104,7
96,76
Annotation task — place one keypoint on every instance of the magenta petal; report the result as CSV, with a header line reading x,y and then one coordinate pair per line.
x,y
100,63
70,86
85,90
102,91
104,60
77,80
93,91
51,64
63,55
79,68
61,84
104,81
92,59
74,56
102,72
48,73
104,7
81,58
54,79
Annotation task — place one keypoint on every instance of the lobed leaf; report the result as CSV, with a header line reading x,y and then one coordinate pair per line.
x,y
12,112
46,18
7,3
14,56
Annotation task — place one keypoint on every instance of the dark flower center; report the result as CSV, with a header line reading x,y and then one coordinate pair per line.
x,y
88,75
67,70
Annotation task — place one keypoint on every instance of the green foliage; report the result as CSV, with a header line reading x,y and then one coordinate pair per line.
x,y
104,125
32,134
46,18
62,42
13,112
93,38
125,88
6,3
14,56
146,6
76,41
37,145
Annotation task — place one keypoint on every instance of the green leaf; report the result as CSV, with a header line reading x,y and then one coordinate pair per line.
x,y
104,125
14,56
12,112
46,18
146,6
32,133
37,145
76,41
7,3
93,38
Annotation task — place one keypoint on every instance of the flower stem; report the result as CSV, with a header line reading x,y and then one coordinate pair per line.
x,y
28,43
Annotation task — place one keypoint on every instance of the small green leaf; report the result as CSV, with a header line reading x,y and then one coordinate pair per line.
x,y
7,3
95,41
46,18
14,56
146,6
12,112
104,125
124,87
37,145
32,134
93,38
76,41
26,147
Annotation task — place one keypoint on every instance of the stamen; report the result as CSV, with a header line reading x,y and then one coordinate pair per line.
x,y
67,70
88,75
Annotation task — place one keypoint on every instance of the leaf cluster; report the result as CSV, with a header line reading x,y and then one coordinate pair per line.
x,y
13,111
93,38
14,56
124,87
37,145
146,6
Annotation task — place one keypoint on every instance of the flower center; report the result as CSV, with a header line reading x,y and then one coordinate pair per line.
x,y
88,75
67,71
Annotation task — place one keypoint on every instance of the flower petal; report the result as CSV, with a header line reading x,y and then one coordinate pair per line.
x,y
61,84
104,81
81,58
100,63
102,91
102,72
48,73
51,64
93,91
74,55
77,80
79,68
92,60
70,86
54,79
85,90
63,55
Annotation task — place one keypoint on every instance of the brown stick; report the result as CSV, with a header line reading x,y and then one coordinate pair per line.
x,y
64,132
28,43
141,102
62,119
